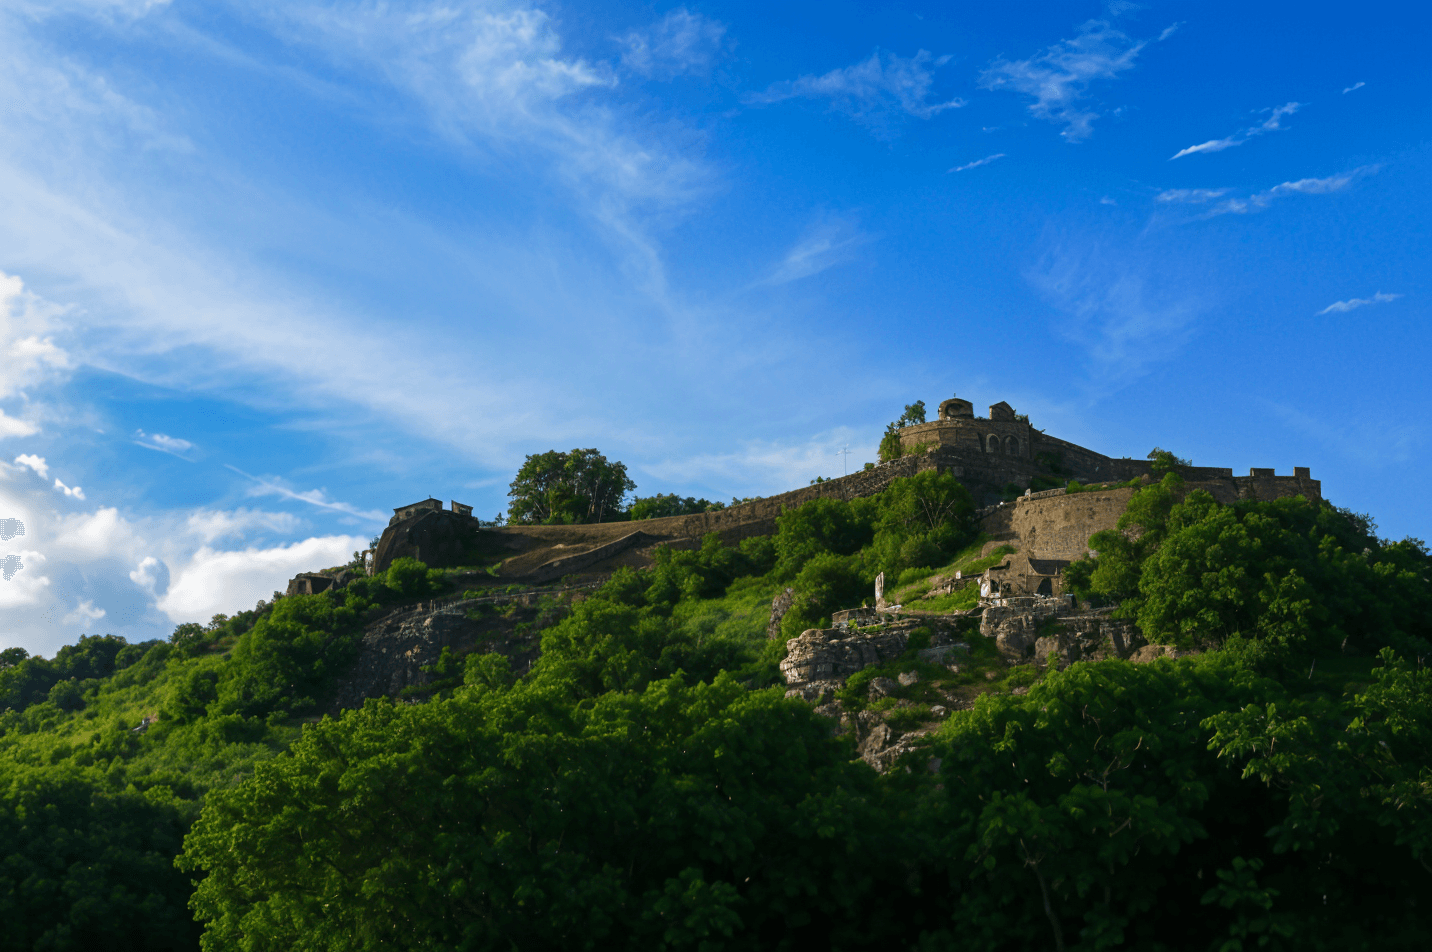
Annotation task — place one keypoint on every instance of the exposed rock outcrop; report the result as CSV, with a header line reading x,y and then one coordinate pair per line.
x,y
1032,634
396,648
779,606
822,654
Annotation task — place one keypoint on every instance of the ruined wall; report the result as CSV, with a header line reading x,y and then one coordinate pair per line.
x,y
1059,527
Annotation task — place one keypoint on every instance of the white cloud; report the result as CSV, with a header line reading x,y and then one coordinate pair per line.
x,y
84,612
828,244
314,497
1059,78
24,586
1276,113
214,581
27,352
1357,85
208,525
74,492
1213,145
10,426
1190,196
1342,307
147,574
765,467
164,444
1169,31
881,87
150,290
1272,124
36,463
1308,186
976,163
109,562
681,42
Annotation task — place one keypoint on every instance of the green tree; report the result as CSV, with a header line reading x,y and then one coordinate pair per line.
x,y
670,504
1165,462
675,817
558,488
890,441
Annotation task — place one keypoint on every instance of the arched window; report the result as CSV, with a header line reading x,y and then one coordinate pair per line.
x,y
993,445
1011,446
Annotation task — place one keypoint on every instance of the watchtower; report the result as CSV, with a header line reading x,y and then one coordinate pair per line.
x,y
957,409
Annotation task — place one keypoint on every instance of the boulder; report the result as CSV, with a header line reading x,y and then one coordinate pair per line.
x,y
908,678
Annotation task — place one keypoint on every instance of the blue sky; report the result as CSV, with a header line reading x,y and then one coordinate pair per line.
x,y
270,269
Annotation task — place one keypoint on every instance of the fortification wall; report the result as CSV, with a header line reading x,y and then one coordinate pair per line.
x,y
1059,527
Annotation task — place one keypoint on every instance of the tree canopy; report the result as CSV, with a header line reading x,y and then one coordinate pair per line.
x,y
556,488
648,783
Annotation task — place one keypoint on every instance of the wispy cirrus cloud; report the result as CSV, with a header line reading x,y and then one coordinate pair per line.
x,y
1059,78
1351,304
1306,186
1257,201
313,497
823,246
878,89
1123,315
1190,196
766,466
1272,124
1356,85
680,42
977,163
172,445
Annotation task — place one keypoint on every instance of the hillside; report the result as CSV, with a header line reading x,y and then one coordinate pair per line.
x,y
1214,734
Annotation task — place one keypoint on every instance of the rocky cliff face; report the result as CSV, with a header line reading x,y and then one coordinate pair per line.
x,y
397,647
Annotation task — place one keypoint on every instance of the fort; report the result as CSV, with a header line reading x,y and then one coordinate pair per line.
x,y
994,457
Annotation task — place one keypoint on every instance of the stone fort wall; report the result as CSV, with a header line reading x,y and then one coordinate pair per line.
x,y
1058,525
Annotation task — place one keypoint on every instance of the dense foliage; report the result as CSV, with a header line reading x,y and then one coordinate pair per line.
x,y
648,785
556,488
670,504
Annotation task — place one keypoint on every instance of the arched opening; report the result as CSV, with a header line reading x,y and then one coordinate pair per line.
x,y
1011,446
993,445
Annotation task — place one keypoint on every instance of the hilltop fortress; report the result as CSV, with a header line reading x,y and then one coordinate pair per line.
x,y
992,456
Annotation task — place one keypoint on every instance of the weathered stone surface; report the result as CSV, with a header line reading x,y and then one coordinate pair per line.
x,y
882,687
1026,635
816,692
908,678
779,606
1154,652
397,647
821,654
